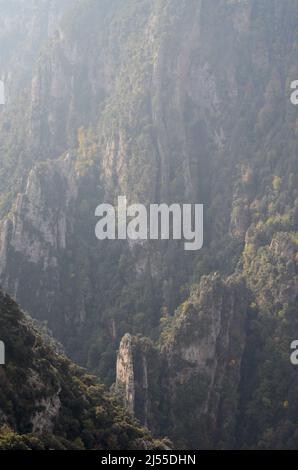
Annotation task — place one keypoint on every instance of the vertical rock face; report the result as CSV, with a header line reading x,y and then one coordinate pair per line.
x,y
36,231
191,385
38,221
25,26
204,355
125,372
139,371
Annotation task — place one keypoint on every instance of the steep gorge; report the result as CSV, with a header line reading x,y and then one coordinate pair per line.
x,y
163,101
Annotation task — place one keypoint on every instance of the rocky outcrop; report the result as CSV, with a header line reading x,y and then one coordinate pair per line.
x,y
191,385
125,372
38,223
25,26
37,228
204,355
43,421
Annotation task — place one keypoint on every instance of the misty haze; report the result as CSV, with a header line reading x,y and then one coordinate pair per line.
x,y
136,342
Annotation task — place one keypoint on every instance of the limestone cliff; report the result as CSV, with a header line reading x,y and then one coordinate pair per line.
x,y
197,367
125,372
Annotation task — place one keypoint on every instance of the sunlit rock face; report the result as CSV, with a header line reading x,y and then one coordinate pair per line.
x,y
191,383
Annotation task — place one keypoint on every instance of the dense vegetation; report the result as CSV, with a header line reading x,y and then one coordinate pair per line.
x,y
47,402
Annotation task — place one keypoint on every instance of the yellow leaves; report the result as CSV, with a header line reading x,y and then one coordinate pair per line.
x,y
79,443
281,314
276,183
101,413
184,306
82,141
294,237
87,150
248,254
286,404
